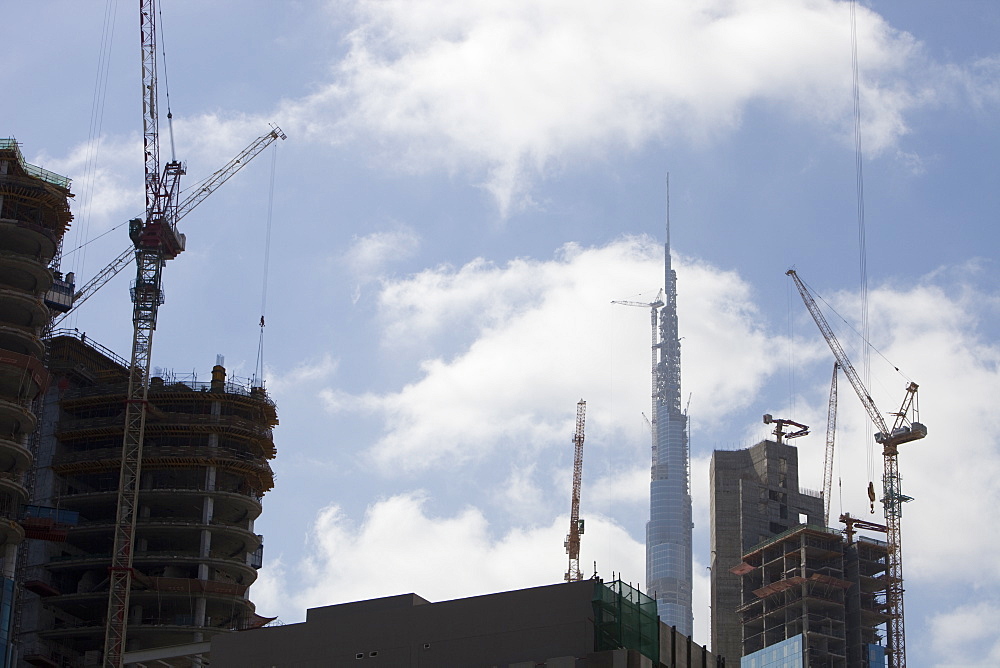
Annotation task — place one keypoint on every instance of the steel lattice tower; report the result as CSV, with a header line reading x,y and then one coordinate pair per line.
x,y
668,533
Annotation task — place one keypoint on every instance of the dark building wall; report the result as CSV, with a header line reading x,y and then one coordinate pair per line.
x,y
524,625
754,494
551,626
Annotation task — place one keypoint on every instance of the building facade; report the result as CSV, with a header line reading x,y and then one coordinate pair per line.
x,y
668,533
204,472
34,216
755,495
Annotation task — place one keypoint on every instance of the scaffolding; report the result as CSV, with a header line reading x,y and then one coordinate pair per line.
x,y
624,617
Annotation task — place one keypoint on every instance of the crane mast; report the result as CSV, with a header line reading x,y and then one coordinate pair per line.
x,y
156,240
654,308
575,523
904,430
831,436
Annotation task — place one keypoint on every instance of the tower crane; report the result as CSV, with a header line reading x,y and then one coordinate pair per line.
x,y
203,190
831,435
156,240
781,423
906,428
575,523
654,308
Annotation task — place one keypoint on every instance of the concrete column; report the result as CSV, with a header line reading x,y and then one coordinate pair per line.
x,y
135,614
9,559
199,611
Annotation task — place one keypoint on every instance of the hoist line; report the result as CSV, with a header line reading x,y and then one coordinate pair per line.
x,y
868,344
862,242
90,241
267,264
93,146
166,82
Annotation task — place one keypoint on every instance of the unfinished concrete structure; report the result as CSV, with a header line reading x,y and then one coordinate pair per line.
x,y
205,469
810,599
34,216
755,495
579,624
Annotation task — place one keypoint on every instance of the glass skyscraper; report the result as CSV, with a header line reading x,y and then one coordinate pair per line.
x,y
668,533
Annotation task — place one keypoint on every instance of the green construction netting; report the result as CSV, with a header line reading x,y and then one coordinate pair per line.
x,y
624,617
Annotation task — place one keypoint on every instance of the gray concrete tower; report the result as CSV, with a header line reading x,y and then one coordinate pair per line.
x,y
668,533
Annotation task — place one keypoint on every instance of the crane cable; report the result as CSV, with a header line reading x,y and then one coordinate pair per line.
x,y
259,369
93,146
862,244
166,84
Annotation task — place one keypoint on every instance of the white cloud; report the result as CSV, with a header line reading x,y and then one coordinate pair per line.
x,y
509,93
967,635
545,333
307,371
626,487
400,547
104,195
519,88
369,255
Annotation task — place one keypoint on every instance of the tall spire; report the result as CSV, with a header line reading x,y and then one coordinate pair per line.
x,y
668,533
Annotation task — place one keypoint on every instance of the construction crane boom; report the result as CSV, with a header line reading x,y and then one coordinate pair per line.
x,y
575,523
781,423
654,308
203,190
904,430
156,240
831,436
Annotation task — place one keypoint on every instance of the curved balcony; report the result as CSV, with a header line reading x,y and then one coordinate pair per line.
x,y
232,566
22,377
230,506
10,531
25,273
170,597
252,467
13,456
12,487
15,420
27,239
151,631
21,340
19,308
181,534
162,423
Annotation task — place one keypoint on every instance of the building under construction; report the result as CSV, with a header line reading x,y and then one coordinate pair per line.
x,y
755,494
810,598
204,470
34,216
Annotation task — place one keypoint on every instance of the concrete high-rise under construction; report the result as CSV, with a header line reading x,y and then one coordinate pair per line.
x,y
668,533
205,466
34,215
205,469
755,495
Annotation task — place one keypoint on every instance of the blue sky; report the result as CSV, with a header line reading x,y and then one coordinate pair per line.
x,y
465,188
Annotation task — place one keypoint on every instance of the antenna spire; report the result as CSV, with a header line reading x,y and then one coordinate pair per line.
x,y
666,245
